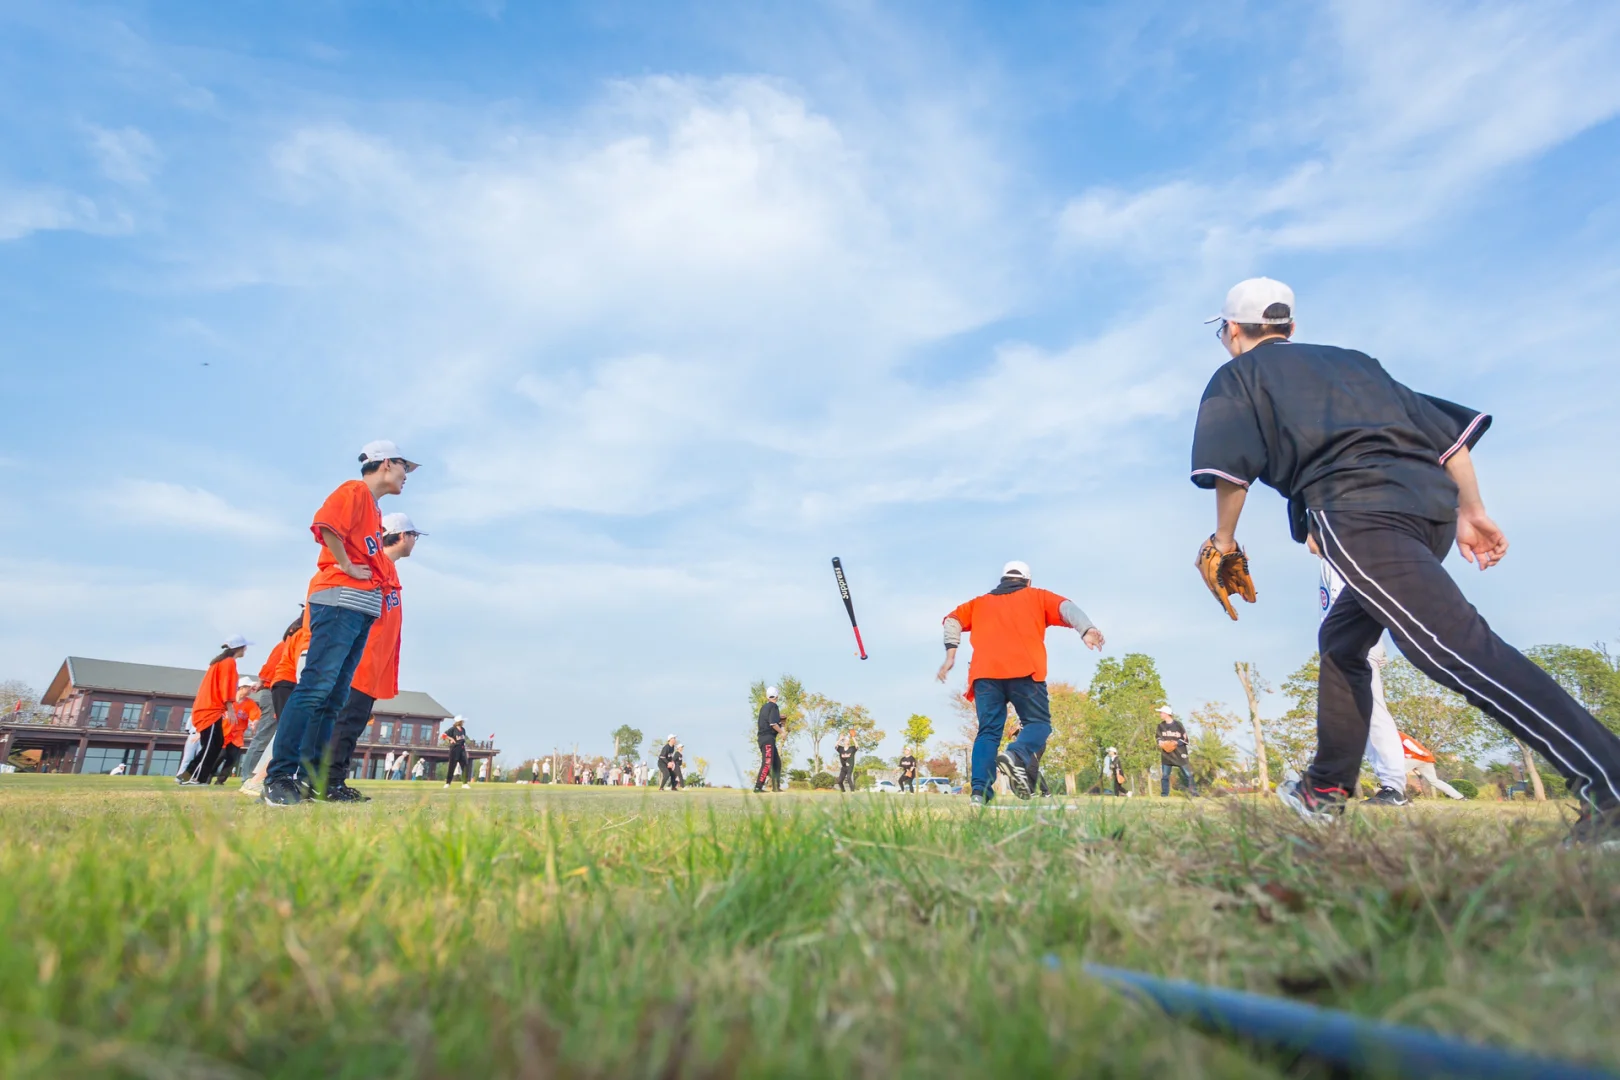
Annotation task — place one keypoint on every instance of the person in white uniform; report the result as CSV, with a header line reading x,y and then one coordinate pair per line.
x,y
1384,752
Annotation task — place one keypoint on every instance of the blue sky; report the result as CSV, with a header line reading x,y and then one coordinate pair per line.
x,y
677,302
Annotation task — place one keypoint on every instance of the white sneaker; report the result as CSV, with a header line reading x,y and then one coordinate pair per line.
x,y
464,786
252,787
447,783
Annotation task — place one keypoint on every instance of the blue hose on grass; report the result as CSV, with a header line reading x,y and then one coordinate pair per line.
x,y
1364,1047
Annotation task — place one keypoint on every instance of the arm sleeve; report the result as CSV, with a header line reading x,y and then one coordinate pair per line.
x,y
1073,616
953,632
339,512
1448,426
1227,444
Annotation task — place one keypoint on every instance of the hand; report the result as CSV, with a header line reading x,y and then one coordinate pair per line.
x,y
1480,539
945,668
359,573
1223,544
1094,639
1310,545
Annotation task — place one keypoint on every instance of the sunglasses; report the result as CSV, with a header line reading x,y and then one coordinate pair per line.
x,y
1220,332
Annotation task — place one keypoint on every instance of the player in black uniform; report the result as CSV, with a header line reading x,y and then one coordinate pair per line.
x,y
770,760
908,771
1171,733
666,764
456,736
1381,480
846,762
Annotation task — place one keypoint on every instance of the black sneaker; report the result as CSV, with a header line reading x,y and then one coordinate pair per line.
x,y
344,793
1016,771
1385,796
281,791
1596,830
1318,805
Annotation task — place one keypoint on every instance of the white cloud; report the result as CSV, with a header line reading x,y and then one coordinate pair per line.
x,y
41,209
126,155
164,505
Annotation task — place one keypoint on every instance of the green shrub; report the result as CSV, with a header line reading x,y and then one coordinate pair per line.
x,y
1466,788
824,781
801,776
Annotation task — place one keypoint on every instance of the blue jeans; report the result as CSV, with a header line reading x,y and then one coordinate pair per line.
x,y
337,637
1166,769
991,697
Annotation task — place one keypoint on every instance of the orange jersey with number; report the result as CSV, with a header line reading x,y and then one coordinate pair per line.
x,y
215,695
1415,750
377,674
238,718
352,514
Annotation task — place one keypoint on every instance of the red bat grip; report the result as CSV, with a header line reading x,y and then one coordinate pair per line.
x,y
858,643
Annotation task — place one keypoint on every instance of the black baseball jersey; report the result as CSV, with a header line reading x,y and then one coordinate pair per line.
x,y
1172,729
666,754
769,715
908,765
846,757
1330,430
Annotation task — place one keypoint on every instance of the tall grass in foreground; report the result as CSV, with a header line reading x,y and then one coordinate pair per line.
x,y
537,933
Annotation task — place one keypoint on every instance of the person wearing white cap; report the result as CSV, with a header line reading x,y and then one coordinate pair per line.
x,y
666,764
215,694
1113,773
376,676
770,757
345,598
1171,736
1009,625
456,736
1381,479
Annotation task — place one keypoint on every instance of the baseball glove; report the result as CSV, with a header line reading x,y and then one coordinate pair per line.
x,y
1169,746
1226,575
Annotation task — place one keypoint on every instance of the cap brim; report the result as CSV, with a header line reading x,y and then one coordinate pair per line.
x,y
411,466
1216,319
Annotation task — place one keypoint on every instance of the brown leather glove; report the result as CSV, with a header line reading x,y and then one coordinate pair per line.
x,y
1226,575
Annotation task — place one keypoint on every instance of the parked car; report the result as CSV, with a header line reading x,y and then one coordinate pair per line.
x,y
936,785
886,786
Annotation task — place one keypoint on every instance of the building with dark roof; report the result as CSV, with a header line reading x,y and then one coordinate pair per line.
x,y
97,714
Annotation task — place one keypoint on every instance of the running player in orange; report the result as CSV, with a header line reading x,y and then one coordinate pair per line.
x,y
345,598
214,696
377,676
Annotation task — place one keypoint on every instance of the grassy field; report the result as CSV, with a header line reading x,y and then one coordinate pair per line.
x,y
544,932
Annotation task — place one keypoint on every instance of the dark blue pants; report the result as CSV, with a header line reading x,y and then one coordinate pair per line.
x,y
1165,771
337,637
991,697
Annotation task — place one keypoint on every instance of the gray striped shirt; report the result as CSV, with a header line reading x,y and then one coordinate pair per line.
x,y
368,601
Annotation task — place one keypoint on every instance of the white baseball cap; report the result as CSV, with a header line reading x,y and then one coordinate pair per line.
x,y
1248,301
400,523
1164,710
236,641
245,680
1016,568
383,450
770,691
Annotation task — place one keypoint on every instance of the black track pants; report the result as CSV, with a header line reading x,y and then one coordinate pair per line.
x,y
1391,563
351,723
770,766
846,776
458,756
209,750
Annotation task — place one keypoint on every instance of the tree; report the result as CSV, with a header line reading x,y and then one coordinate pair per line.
x,y
13,691
1436,717
943,765
919,729
1254,684
1590,676
1123,696
627,743
1212,757
859,723
1293,735
790,700
821,717
1073,749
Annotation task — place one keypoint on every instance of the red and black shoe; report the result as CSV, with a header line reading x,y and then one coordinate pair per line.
x,y
1316,804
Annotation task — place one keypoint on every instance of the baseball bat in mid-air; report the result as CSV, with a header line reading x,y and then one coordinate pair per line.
x,y
849,605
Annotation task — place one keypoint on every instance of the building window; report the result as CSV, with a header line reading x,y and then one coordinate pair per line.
x,y
160,717
385,732
164,763
131,720
103,759
98,713
185,719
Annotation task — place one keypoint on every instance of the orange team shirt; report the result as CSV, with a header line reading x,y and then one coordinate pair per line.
x,y
352,513
297,645
1415,750
377,674
217,691
1009,633
238,718
267,674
